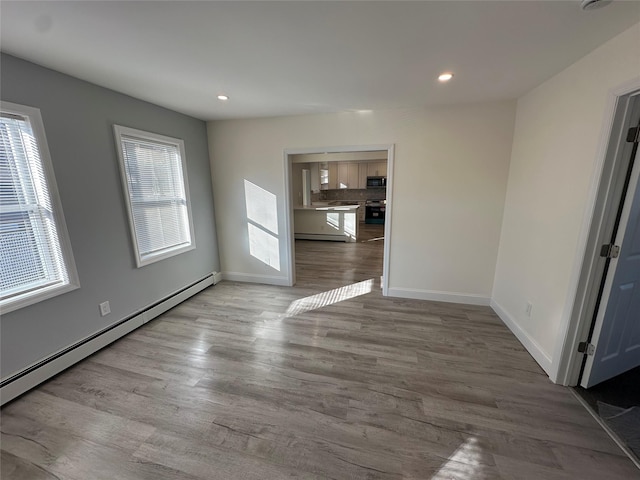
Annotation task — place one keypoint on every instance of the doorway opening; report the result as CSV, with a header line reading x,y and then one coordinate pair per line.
x,y
330,233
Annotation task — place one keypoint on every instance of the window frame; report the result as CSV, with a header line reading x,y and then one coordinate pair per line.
x,y
34,295
119,132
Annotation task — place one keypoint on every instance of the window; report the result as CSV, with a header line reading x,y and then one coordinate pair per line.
x,y
154,176
35,253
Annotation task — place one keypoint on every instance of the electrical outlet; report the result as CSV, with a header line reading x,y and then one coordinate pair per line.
x,y
528,308
105,309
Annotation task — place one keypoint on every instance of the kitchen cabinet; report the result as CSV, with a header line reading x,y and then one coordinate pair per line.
x,y
352,178
362,175
338,223
343,175
333,175
353,175
377,169
315,177
324,176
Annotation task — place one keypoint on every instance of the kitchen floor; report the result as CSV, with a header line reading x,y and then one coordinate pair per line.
x,y
325,264
371,232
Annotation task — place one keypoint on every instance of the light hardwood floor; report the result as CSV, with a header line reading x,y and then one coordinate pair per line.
x,y
346,385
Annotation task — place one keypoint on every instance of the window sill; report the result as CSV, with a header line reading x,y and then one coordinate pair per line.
x,y
26,299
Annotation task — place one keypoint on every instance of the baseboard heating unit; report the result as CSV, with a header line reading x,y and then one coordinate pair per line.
x,y
24,380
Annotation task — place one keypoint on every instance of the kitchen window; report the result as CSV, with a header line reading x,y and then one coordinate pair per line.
x,y
35,253
154,177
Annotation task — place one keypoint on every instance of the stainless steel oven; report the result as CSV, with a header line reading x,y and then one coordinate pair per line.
x,y
374,211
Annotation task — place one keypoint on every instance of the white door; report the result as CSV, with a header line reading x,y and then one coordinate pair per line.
x,y
616,335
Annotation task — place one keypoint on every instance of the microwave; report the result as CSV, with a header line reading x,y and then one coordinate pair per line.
x,y
376,182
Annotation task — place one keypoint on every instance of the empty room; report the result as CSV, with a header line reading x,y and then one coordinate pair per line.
x,y
320,239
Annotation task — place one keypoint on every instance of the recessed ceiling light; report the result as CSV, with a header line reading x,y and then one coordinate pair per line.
x,y
445,77
223,97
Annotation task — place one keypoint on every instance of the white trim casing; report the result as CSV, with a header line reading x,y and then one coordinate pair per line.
x,y
120,131
566,366
388,219
288,207
288,235
73,283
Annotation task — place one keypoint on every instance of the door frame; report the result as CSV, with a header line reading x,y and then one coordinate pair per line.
x,y
288,203
604,198
630,202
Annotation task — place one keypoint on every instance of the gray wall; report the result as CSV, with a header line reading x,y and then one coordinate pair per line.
x,y
78,119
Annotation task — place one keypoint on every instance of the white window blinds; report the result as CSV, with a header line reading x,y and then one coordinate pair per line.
x,y
33,261
154,177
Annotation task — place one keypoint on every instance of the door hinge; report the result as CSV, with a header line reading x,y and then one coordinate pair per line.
x,y
610,251
586,348
633,135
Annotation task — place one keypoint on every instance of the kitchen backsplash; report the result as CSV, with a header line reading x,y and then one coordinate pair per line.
x,y
349,194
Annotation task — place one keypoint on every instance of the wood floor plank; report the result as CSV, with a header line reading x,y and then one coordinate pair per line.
x,y
324,380
20,468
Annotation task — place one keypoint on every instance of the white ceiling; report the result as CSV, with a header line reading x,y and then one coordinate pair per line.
x,y
283,58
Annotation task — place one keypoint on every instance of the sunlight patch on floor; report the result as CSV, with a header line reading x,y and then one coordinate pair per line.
x,y
465,462
330,297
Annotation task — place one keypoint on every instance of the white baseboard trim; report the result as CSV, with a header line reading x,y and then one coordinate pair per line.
x,y
436,296
217,277
539,355
254,278
325,237
24,380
